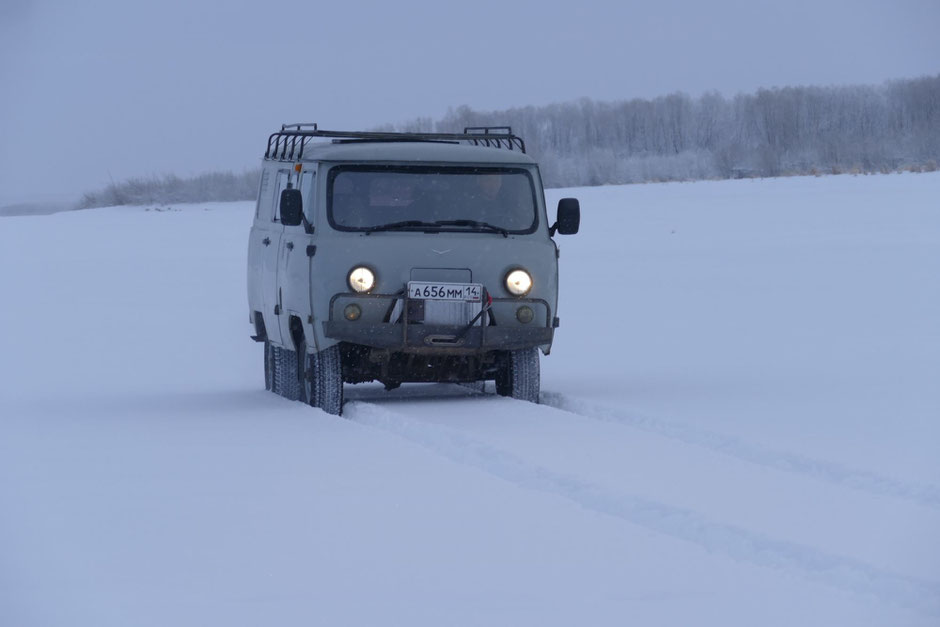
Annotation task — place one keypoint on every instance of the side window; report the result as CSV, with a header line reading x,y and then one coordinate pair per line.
x,y
264,195
280,184
307,179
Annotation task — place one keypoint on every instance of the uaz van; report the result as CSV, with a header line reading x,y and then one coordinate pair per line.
x,y
402,257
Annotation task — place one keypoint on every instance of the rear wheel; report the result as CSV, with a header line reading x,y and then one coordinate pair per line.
x,y
308,385
286,374
518,375
268,366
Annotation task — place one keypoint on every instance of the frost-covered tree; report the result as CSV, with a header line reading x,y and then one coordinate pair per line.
x,y
791,130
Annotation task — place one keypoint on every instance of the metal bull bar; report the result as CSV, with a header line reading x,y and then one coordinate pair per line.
x,y
471,337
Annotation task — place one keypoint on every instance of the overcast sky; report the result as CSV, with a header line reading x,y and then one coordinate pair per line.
x,y
94,89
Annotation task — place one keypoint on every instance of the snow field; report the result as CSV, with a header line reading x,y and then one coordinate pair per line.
x,y
738,427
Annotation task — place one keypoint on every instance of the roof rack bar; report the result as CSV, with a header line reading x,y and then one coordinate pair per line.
x,y
299,126
290,141
486,130
293,146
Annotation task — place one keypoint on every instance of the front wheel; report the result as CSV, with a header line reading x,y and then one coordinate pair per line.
x,y
323,380
518,375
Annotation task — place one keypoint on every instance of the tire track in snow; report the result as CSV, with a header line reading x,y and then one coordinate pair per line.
x,y
926,495
735,542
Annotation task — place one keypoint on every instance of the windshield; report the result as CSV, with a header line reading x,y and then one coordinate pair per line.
x,y
423,197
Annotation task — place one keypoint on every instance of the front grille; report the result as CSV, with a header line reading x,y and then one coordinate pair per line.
x,y
450,312
442,312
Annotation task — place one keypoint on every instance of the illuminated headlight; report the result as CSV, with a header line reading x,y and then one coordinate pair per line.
x,y
361,279
518,282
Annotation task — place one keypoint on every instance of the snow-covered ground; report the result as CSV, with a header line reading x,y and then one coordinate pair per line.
x,y
740,426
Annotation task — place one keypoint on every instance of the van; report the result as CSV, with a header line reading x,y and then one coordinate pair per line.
x,y
402,257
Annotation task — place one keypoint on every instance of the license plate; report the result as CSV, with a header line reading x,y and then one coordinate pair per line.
x,y
471,292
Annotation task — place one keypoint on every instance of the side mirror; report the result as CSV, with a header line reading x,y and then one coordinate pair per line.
x,y
292,207
569,217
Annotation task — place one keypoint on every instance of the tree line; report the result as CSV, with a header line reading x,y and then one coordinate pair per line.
x,y
172,189
773,132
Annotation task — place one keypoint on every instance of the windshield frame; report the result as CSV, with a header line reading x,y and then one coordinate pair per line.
x,y
427,168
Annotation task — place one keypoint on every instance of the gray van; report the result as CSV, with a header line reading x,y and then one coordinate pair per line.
x,y
402,257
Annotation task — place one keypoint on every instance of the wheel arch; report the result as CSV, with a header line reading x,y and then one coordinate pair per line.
x,y
261,333
298,336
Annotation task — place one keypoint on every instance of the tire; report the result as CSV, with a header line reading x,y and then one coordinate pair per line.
x,y
308,384
518,376
328,377
286,374
268,366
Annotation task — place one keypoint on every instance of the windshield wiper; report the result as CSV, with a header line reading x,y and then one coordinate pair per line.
x,y
476,224
404,224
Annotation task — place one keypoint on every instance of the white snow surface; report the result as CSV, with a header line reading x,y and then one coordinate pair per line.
x,y
740,425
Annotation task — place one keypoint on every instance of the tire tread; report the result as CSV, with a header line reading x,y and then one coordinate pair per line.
x,y
520,376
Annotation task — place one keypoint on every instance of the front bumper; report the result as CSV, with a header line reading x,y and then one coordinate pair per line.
x,y
430,338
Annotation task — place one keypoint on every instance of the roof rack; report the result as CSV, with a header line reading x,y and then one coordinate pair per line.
x,y
288,144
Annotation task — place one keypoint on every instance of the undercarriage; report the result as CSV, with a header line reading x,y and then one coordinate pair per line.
x,y
392,368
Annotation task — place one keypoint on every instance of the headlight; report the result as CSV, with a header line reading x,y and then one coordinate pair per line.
x,y
361,279
518,282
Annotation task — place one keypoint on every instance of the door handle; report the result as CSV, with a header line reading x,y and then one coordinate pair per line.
x,y
266,241
290,245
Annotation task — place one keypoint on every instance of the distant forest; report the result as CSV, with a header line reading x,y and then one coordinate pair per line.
x,y
774,132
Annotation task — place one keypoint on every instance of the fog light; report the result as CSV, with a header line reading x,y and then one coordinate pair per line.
x,y
524,314
352,312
